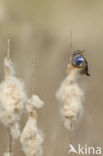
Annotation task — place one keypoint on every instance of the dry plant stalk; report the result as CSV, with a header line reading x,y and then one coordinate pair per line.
x,y
12,99
70,95
31,137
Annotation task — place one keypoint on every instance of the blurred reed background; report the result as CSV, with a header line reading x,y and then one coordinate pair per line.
x,y
41,29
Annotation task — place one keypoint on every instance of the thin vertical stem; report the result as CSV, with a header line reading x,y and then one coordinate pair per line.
x,y
71,40
32,77
71,45
10,144
71,135
8,51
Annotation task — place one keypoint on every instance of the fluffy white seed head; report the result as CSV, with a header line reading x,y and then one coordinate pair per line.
x,y
70,95
31,138
12,97
8,68
14,130
34,103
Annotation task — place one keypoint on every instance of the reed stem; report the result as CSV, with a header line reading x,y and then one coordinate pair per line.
x,y
10,144
8,51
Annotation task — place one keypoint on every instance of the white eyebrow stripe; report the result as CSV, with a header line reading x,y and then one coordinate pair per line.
x,y
80,58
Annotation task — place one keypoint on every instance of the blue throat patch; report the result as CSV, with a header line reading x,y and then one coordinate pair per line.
x,y
79,60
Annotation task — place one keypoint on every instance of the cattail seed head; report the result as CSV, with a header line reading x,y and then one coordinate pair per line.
x,y
12,99
70,96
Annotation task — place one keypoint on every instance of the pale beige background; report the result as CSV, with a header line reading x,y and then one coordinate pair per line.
x,y
41,29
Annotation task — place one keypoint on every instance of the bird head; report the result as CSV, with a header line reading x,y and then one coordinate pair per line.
x,y
78,52
79,61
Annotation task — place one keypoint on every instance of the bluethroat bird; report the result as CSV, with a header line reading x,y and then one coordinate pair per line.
x,y
79,61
